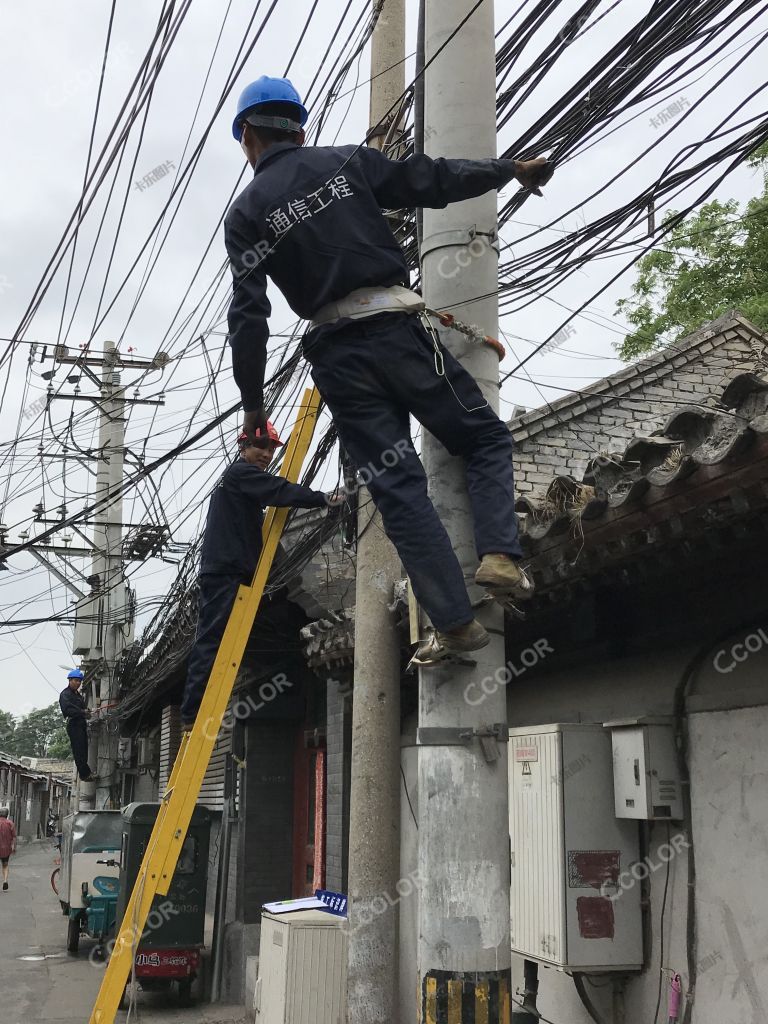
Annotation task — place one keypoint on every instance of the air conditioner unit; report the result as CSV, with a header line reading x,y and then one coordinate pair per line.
x,y
302,969
574,904
147,756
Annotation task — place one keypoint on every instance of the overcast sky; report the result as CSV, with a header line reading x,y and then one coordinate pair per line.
x,y
50,56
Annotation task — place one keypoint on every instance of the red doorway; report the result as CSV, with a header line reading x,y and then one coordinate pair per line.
x,y
309,818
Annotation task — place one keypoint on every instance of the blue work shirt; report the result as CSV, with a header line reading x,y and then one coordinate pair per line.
x,y
312,221
232,539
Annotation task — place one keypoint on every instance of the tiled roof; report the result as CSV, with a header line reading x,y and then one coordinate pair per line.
x,y
62,767
637,376
11,761
562,437
702,456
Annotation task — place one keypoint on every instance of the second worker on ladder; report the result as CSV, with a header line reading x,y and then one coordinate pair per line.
x,y
312,221
232,544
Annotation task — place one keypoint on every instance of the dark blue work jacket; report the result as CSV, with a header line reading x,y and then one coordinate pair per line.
x,y
72,704
312,221
232,539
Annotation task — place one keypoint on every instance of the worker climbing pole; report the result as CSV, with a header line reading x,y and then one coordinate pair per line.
x,y
374,354
179,800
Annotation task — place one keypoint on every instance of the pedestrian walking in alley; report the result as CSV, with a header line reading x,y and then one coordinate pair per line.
x,y
76,715
313,221
7,843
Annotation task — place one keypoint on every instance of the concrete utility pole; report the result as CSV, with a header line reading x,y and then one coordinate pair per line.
x,y
109,605
104,613
464,946
374,826
108,566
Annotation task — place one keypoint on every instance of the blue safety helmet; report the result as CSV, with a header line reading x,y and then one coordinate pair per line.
x,y
268,90
76,673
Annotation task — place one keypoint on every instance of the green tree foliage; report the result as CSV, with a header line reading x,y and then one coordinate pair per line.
x,y
711,262
7,727
59,745
41,733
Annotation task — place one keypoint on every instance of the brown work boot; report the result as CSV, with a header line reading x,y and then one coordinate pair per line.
x,y
462,640
500,572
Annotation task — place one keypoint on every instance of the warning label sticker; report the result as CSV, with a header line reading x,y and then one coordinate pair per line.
x,y
526,753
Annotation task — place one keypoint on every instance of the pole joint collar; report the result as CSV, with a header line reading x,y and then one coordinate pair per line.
x,y
462,736
461,238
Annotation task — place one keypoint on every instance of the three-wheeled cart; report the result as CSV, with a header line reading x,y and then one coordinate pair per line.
x,y
88,881
169,950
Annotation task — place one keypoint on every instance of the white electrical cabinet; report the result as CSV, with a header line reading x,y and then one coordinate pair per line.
x,y
573,904
147,754
645,770
87,619
302,969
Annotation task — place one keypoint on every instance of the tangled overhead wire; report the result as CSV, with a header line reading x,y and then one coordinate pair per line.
x,y
651,59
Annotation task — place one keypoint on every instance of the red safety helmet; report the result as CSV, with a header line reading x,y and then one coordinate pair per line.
x,y
272,434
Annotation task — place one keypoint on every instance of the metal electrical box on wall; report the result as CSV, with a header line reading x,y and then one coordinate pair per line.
x,y
568,906
147,752
124,751
645,770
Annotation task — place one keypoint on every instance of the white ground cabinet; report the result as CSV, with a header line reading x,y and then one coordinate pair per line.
x,y
302,969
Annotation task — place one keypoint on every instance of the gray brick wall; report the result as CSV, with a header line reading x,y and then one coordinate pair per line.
x,y
633,402
338,727
265,836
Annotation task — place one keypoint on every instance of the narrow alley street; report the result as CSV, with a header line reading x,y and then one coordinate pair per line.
x,y
39,981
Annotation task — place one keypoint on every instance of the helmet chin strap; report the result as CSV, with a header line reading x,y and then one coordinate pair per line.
x,y
265,121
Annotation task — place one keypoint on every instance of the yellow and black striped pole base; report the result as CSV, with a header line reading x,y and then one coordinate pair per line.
x,y
453,997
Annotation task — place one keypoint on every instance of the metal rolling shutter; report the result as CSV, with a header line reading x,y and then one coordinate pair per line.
x,y
212,790
170,740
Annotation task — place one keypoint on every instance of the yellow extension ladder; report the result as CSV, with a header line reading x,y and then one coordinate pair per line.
x,y
191,764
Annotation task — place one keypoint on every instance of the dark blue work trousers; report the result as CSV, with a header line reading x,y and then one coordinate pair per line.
x,y
77,731
374,374
217,595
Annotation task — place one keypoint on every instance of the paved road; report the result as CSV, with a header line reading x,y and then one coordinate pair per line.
x,y
61,988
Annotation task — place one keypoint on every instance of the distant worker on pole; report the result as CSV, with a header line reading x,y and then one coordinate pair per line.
x,y
232,544
76,715
312,221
